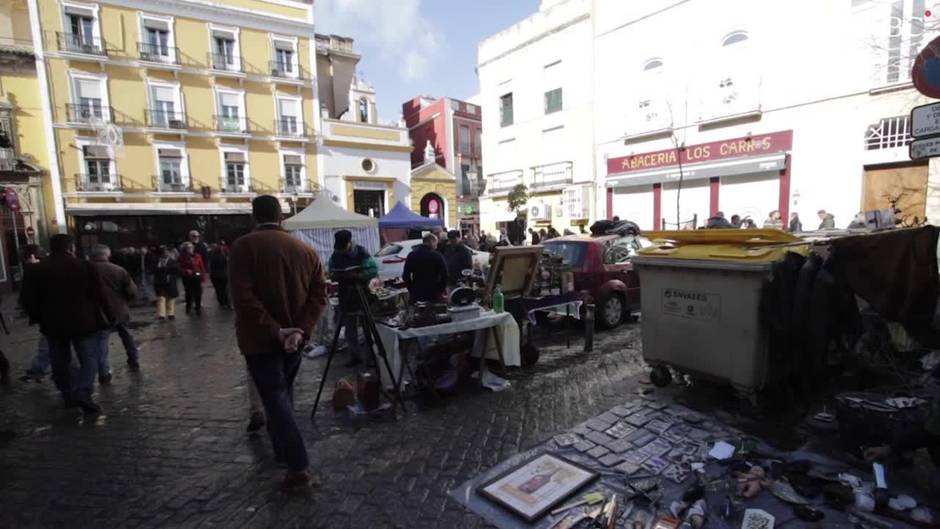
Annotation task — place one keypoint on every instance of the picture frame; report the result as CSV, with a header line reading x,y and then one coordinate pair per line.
x,y
514,269
535,487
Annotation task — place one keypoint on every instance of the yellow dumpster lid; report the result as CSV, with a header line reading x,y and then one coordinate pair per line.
x,y
756,246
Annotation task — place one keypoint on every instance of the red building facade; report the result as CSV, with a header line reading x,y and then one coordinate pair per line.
x,y
454,129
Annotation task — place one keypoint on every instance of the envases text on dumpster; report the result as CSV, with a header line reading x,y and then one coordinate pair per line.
x,y
691,304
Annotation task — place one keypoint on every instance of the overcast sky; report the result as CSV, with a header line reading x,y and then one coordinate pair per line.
x,y
418,47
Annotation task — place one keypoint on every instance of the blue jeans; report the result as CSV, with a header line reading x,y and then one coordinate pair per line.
x,y
41,363
274,375
130,347
79,383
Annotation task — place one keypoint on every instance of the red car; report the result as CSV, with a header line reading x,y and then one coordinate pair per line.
x,y
601,266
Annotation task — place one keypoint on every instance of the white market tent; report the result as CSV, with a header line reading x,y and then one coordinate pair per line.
x,y
317,223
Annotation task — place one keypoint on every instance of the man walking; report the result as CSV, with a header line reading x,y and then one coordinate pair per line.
x,y
457,256
66,296
120,290
279,293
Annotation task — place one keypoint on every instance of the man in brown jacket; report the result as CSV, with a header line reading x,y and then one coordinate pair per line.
x,y
120,290
279,292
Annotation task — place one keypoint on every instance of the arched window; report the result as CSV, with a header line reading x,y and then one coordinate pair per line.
x,y
363,110
736,37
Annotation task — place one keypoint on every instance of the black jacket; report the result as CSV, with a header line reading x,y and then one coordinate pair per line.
x,y
458,258
66,296
218,263
165,278
425,274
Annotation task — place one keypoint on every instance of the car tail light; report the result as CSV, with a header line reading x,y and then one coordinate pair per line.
x,y
393,260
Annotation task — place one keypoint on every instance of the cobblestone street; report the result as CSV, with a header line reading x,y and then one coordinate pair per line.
x,y
170,449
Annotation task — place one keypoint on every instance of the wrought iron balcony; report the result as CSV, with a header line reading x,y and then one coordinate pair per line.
x,y
161,185
228,187
286,70
154,52
504,182
232,125
77,43
163,119
552,175
289,128
85,113
226,63
103,183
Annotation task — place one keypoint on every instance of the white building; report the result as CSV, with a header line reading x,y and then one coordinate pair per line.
x,y
536,91
366,166
799,110
793,106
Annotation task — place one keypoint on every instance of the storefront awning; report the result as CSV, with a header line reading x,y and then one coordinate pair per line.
x,y
736,166
166,208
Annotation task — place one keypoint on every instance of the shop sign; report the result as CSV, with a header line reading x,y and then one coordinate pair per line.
x,y
925,120
926,148
754,145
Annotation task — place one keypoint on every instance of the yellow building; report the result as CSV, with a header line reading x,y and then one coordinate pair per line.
x,y
169,115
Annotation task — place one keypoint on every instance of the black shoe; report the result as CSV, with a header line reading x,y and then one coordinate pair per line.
x,y
133,366
255,422
4,369
171,317
32,377
198,311
353,362
89,407
104,379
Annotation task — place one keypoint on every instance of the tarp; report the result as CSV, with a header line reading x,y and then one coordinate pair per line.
x,y
402,217
317,223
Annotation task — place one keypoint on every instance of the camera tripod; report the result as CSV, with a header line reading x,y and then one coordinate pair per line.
x,y
372,337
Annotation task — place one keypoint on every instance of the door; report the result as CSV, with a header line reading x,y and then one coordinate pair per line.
x,y
902,187
751,195
368,202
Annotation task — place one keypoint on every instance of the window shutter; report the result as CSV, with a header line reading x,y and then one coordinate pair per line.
x,y
234,157
80,11
164,93
292,159
161,25
96,152
230,100
287,107
90,88
169,153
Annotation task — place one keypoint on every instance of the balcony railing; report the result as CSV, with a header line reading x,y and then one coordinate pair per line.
x,y
162,186
294,188
552,175
504,182
286,70
228,187
162,119
232,125
7,159
101,183
75,43
88,113
226,63
151,52
289,128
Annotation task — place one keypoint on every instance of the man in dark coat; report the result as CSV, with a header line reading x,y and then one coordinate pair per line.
x,y
425,272
457,256
121,290
279,294
66,296
349,265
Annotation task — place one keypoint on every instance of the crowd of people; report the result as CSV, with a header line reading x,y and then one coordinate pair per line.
x,y
773,221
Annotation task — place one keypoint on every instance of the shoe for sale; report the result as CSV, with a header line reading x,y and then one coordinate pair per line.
x,y
298,480
255,422
171,317
104,379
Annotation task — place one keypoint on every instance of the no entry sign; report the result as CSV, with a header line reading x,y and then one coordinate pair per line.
x,y
926,71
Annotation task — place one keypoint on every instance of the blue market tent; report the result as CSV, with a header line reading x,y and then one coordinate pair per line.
x,y
400,217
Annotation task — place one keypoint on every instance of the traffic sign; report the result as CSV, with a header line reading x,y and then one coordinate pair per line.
x,y
926,148
926,70
925,120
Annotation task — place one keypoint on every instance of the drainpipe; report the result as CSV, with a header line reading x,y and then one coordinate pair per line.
x,y
55,174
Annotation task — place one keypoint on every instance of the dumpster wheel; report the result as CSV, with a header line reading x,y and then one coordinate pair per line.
x,y
661,376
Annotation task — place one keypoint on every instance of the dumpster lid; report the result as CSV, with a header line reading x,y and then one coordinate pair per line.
x,y
758,246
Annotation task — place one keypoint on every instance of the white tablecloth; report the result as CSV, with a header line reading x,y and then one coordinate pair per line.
x,y
505,325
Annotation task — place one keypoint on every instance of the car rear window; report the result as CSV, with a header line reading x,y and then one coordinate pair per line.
x,y
391,249
574,254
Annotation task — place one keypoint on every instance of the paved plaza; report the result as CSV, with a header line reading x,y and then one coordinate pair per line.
x,y
170,449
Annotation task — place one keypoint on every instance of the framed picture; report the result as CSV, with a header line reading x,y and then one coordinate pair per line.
x,y
513,270
534,488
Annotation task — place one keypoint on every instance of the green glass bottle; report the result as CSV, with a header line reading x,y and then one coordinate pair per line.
x,y
498,300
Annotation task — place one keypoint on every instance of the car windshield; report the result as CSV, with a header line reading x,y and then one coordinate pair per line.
x,y
621,250
391,249
573,253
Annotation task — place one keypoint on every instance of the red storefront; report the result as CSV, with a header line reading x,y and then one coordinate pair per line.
x,y
747,176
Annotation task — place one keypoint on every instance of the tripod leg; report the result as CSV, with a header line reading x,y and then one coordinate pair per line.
x,y
377,339
329,360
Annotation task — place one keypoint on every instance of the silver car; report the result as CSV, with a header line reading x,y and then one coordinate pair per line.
x,y
391,258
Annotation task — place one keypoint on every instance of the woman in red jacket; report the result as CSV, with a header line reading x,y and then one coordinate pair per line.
x,y
193,272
